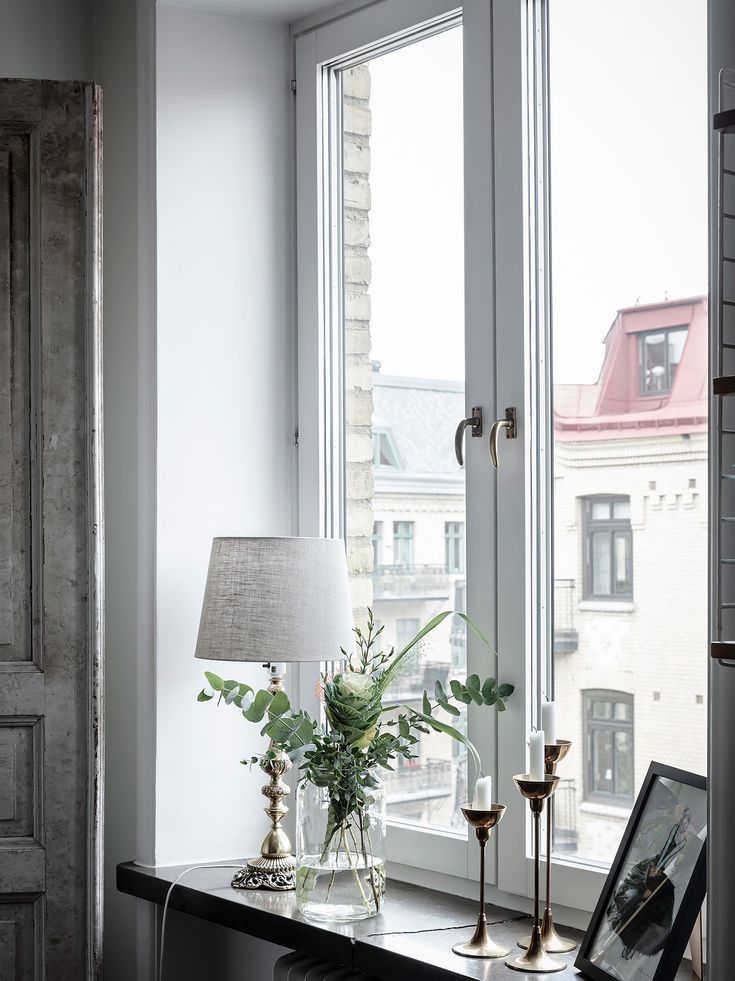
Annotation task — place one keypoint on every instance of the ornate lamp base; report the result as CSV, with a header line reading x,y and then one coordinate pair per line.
x,y
277,874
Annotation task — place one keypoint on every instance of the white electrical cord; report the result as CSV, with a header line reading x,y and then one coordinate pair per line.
x,y
173,885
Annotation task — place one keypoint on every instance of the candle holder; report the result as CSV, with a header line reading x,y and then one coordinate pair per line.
x,y
480,945
554,753
535,959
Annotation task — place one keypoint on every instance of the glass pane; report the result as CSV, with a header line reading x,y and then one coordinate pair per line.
x,y
624,764
603,762
600,510
654,363
677,339
404,380
622,563
629,314
601,563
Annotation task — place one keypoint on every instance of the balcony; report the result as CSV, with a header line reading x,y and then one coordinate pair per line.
x,y
412,686
566,638
396,582
430,780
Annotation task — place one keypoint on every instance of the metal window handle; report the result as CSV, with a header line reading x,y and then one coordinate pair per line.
x,y
509,425
475,423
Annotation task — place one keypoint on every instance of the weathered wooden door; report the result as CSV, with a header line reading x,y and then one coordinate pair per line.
x,y
50,532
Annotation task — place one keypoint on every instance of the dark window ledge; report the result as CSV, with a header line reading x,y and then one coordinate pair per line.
x,y
411,938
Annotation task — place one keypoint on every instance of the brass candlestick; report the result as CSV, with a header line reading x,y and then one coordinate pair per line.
x,y
480,945
535,959
554,753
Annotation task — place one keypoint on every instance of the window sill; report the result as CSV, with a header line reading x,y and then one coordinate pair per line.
x,y
606,810
411,937
603,606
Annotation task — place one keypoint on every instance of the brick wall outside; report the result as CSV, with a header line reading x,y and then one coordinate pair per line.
x,y
358,369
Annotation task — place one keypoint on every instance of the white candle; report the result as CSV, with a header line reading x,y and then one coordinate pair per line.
x,y
548,721
537,769
483,794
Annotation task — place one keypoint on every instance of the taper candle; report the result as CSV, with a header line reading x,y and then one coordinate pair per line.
x,y
536,769
548,721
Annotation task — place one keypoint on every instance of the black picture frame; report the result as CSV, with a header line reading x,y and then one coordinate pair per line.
x,y
684,917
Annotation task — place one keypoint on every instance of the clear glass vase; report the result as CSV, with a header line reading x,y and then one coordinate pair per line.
x,y
341,869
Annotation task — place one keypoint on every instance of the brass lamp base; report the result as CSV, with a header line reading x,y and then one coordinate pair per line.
x,y
278,874
275,867
535,959
553,943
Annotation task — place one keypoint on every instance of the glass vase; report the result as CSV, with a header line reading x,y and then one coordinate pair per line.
x,y
341,868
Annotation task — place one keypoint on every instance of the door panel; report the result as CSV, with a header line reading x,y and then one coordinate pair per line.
x,y
49,560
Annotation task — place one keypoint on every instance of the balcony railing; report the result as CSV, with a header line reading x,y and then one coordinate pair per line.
x,y
412,686
431,779
566,639
398,581
565,816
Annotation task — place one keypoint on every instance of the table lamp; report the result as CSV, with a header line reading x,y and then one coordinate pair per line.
x,y
273,600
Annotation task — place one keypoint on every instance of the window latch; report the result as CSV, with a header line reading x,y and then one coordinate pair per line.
x,y
475,423
511,432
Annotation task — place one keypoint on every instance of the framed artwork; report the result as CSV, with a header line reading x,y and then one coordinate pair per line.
x,y
653,894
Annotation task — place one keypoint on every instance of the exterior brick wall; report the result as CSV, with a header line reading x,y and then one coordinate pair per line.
x,y
358,368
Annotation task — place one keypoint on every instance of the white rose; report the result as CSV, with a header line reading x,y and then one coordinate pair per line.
x,y
355,683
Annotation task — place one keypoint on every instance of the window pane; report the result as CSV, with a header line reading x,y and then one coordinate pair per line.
x,y
629,314
601,563
404,380
622,563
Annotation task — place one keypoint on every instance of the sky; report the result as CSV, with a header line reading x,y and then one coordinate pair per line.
x,y
628,181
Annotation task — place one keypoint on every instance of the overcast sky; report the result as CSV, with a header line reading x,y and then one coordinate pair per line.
x,y
629,181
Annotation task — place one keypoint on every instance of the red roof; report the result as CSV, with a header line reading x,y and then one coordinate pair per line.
x,y
614,407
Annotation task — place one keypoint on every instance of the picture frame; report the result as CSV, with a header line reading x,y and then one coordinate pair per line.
x,y
656,885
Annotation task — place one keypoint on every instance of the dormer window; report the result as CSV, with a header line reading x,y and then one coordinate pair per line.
x,y
659,354
384,451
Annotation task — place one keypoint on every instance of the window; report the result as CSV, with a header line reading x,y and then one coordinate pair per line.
x,y
384,452
609,730
403,544
608,549
393,158
377,540
659,355
454,546
406,630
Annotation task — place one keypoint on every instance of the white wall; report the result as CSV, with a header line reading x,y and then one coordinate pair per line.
x,y
226,460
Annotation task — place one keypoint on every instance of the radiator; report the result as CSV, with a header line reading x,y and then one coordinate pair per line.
x,y
304,967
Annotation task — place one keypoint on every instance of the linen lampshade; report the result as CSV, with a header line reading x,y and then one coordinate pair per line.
x,y
275,599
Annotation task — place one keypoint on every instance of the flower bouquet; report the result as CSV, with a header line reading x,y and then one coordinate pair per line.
x,y
341,800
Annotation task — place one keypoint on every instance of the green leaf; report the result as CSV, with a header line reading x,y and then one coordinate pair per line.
x,y
505,691
473,689
452,709
457,689
501,705
231,695
280,704
204,697
439,691
403,727
260,705
426,704
488,689
214,680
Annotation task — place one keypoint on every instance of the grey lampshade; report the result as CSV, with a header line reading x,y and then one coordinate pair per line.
x,y
275,599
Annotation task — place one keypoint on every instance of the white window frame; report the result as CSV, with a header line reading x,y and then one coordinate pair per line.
x,y
506,314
